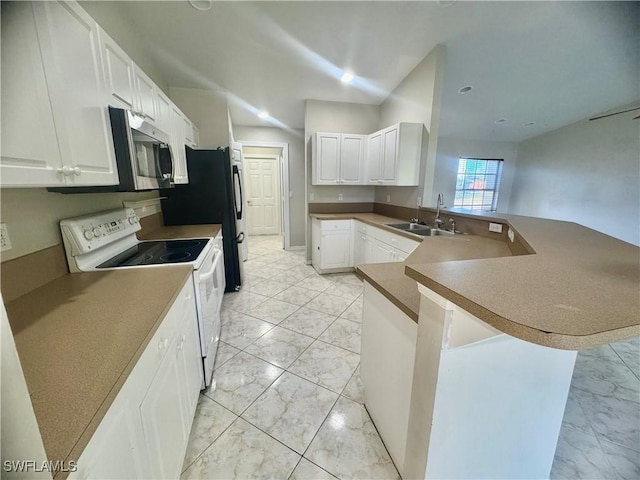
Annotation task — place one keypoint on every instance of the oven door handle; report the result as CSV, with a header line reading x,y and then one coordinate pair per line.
x,y
209,274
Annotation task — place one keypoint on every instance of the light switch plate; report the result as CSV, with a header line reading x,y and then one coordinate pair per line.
x,y
5,241
312,197
388,198
340,197
495,227
419,201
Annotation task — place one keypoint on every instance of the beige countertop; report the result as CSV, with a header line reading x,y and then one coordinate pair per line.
x,y
580,288
182,231
78,338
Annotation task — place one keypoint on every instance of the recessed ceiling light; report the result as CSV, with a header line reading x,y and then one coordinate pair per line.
x,y
466,89
529,124
501,120
263,114
347,77
202,5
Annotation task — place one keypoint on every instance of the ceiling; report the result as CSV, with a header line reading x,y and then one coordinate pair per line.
x,y
546,63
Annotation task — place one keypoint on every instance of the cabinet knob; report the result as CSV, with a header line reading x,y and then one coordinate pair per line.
x,y
76,171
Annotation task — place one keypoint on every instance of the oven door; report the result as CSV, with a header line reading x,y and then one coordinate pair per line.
x,y
209,282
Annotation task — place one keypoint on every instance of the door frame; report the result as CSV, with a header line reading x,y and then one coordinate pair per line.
x,y
277,160
285,191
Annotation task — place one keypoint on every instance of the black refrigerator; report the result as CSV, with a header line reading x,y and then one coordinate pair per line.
x,y
210,197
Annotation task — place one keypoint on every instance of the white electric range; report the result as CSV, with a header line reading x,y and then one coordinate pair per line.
x,y
107,241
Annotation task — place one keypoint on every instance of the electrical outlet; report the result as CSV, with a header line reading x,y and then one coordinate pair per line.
x,y
419,201
5,241
388,198
495,227
511,235
340,197
312,197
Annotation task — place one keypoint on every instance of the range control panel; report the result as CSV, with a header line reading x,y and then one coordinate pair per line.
x,y
87,234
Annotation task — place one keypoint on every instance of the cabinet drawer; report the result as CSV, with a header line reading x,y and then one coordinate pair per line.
x,y
398,241
362,227
331,225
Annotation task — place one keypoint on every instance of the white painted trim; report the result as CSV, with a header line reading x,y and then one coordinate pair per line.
x,y
298,248
284,185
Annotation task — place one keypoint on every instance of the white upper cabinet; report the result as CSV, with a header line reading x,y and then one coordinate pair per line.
x,y
165,115
351,158
118,72
374,158
178,152
69,44
147,95
188,132
338,158
389,160
196,137
29,146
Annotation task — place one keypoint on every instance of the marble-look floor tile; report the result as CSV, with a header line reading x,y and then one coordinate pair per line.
x,y
316,282
241,380
306,270
225,352
343,333
267,287
354,389
273,310
240,330
629,351
345,290
614,420
600,371
348,445
579,456
242,300
307,470
292,277
329,304
280,346
308,322
244,452
296,295
624,461
574,416
291,410
354,312
209,422
326,365
347,277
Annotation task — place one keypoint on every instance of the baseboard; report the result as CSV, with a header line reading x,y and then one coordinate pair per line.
x,y
295,249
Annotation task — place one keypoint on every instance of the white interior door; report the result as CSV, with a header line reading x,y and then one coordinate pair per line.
x,y
262,182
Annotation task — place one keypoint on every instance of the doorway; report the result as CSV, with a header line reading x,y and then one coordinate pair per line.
x,y
266,179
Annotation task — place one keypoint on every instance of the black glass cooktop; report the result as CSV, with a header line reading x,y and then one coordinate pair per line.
x,y
158,252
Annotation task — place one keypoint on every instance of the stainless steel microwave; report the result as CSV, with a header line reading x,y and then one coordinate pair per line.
x,y
143,156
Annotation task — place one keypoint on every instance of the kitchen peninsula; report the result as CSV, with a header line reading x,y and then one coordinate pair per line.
x,y
485,372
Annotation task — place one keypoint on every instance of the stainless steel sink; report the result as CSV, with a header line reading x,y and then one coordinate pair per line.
x,y
417,229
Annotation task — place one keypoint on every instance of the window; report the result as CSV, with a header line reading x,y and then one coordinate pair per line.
x,y
477,184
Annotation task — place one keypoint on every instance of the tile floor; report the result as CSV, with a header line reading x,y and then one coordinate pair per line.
x,y
288,397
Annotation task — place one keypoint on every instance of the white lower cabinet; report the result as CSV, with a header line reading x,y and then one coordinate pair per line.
x,y
144,433
337,245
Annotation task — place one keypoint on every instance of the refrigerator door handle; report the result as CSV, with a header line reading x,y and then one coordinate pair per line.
x,y
236,175
240,237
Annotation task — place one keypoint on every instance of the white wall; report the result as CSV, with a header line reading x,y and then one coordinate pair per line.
x,y
451,149
208,110
296,170
417,99
587,172
33,215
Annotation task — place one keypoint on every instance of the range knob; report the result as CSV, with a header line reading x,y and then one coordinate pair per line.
x,y
133,220
97,232
88,234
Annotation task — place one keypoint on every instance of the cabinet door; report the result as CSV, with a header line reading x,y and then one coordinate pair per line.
x,y
384,253
118,72
191,364
316,235
327,158
188,132
374,157
177,146
162,412
30,152
335,249
351,159
196,137
73,68
165,115
359,246
147,94
369,250
389,155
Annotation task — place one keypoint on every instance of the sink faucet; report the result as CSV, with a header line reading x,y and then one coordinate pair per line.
x,y
439,203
